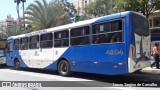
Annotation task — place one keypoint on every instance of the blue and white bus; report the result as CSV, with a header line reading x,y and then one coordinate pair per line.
x,y
112,44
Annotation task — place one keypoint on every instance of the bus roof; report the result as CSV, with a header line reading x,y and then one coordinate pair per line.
x,y
74,25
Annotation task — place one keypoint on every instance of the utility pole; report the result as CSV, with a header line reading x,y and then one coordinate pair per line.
x,y
18,2
23,12
111,7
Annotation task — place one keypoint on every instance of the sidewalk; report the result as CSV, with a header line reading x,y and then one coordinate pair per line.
x,y
151,70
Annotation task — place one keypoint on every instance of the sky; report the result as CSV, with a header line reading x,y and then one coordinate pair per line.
x,y
9,7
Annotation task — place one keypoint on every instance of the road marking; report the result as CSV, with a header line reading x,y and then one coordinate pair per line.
x,y
124,88
47,76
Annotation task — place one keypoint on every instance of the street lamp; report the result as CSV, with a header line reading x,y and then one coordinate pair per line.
x,y
18,2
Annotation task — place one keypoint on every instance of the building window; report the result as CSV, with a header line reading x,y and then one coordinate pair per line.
x,y
156,22
80,36
107,32
61,38
46,40
16,44
150,23
24,43
34,42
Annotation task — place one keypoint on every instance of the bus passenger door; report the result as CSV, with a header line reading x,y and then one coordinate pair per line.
x,y
80,54
45,53
81,58
34,54
24,52
45,57
9,52
34,51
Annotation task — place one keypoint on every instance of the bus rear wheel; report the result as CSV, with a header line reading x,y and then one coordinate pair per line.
x,y
64,68
16,65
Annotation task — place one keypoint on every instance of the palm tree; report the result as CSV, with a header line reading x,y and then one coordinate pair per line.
x,y
43,15
9,31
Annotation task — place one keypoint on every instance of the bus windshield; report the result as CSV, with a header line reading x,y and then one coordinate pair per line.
x,y
141,25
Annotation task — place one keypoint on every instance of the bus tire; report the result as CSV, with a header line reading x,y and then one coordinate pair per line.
x,y
16,65
64,68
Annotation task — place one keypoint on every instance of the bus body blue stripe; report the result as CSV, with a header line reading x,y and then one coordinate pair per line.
x,y
101,59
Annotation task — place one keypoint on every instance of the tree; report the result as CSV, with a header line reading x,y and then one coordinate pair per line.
x,y
69,8
98,8
90,8
146,7
3,33
9,31
20,21
43,15
61,14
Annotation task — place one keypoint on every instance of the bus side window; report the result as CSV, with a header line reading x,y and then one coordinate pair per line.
x,y
34,42
100,32
80,36
57,43
116,25
24,43
16,44
46,40
102,38
115,37
95,39
62,43
107,38
61,38
107,32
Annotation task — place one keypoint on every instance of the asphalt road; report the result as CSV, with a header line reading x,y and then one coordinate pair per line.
x,y
85,80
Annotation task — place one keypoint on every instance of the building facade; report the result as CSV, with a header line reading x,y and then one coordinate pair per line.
x,y
8,22
155,20
80,6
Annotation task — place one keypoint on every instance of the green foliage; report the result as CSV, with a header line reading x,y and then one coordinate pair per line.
x,y
90,8
12,31
144,6
98,8
125,5
43,15
70,9
157,4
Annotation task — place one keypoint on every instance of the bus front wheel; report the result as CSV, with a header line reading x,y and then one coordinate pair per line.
x,y
16,65
64,68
